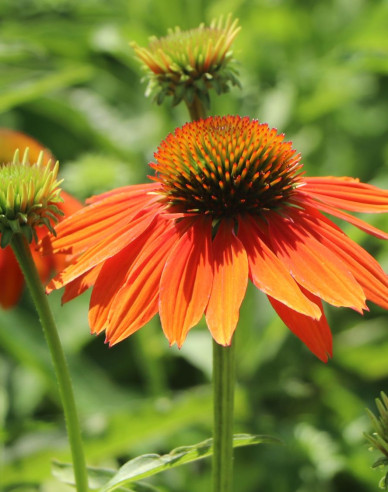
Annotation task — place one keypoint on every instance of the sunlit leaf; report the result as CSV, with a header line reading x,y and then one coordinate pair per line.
x,y
150,464
97,478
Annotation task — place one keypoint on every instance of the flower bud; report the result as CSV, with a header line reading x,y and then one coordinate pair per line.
x,y
29,197
188,64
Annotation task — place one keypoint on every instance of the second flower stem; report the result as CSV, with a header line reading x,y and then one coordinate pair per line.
x,y
223,384
196,109
34,284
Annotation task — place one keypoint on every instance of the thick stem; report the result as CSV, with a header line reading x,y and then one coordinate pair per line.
x,y
24,257
196,109
223,391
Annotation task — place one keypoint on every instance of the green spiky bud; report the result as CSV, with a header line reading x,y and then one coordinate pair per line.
x,y
188,64
379,438
29,194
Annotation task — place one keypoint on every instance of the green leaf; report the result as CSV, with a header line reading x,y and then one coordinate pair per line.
x,y
97,478
124,427
150,464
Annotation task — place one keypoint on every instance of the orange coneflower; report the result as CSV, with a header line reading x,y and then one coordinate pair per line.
x,y
12,280
228,201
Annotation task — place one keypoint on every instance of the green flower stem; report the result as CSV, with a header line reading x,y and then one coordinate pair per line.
x,y
223,391
24,257
223,388
196,109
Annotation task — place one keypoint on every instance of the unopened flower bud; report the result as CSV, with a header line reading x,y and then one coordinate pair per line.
x,y
188,64
29,197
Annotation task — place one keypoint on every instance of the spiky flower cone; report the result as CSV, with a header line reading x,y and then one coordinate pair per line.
x,y
188,64
29,197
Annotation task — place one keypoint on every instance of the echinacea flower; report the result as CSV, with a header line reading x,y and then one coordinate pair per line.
x,y
28,213
228,202
186,64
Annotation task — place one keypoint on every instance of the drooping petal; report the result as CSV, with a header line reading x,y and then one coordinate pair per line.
x,y
365,269
347,193
314,333
230,278
312,264
186,282
81,284
361,224
136,302
363,266
109,281
128,190
103,250
91,224
11,278
269,274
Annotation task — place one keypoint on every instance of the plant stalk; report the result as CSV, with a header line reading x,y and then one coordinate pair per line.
x,y
223,394
196,109
223,387
23,254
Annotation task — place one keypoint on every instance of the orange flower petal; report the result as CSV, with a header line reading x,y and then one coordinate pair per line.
x,y
127,190
359,262
12,279
80,284
137,300
44,264
186,282
105,249
269,274
53,262
314,333
109,281
91,224
312,264
10,140
348,194
361,224
230,278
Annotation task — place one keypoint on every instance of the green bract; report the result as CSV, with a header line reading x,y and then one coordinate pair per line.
x,y
379,438
29,194
187,64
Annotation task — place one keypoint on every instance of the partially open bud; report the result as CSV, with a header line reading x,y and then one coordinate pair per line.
x,y
187,64
29,197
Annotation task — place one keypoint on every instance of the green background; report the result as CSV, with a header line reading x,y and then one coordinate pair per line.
x,y
316,70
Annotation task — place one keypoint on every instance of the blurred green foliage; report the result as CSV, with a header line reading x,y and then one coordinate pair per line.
x,y
317,70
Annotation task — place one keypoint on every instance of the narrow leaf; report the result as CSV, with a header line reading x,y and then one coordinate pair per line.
x,y
107,480
151,464
97,478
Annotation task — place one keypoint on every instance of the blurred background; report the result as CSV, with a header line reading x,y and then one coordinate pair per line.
x,y
316,70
